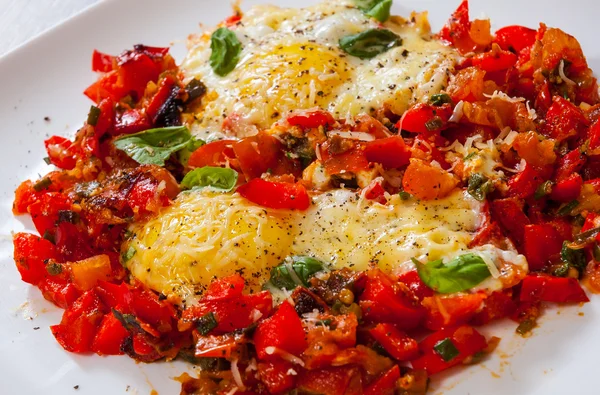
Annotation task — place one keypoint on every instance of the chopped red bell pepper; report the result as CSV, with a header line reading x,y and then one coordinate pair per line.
x,y
492,61
279,376
110,336
62,152
30,253
425,118
525,183
594,135
515,38
327,381
163,93
107,87
456,30
375,191
308,119
386,383
542,244
59,291
415,284
106,120
396,342
260,154
132,121
391,302
391,152
102,62
564,120
497,305
570,163
277,195
25,195
113,295
222,346
147,307
567,189
225,287
465,340
546,288
509,214
44,212
451,310
351,161
283,331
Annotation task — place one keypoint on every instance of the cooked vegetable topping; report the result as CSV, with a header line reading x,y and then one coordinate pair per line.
x,y
217,178
460,274
370,43
226,49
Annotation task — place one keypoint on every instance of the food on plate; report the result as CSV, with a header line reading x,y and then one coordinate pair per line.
x,y
326,200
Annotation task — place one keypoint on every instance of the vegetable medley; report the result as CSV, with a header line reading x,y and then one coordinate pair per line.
x,y
528,93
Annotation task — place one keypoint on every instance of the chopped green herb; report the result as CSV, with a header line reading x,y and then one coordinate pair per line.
x,y
42,184
128,320
439,99
49,236
217,178
47,160
93,115
567,208
370,43
226,49
446,349
543,190
68,216
596,252
573,258
479,186
525,327
127,255
404,195
54,268
460,274
206,323
434,123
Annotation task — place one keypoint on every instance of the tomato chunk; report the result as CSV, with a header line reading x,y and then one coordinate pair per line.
x,y
397,343
542,244
391,152
283,331
425,118
545,288
110,336
276,375
277,195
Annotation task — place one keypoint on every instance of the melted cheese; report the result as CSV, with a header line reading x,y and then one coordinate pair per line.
x,y
204,235
291,60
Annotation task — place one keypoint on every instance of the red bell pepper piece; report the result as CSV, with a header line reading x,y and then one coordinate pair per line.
x,y
542,243
106,120
456,30
277,195
283,330
498,305
567,189
594,135
79,323
160,97
62,152
132,121
44,212
107,87
352,161
386,383
110,336
464,338
391,152
570,163
492,61
102,62
216,153
525,183
515,38
59,291
226,287
25,195
564,120
509,214
415,284
375,191
425,118
146,306
113,295
396,342
327,381
309,119
222,346
260,153
276,375
457,309
30,252
386,301
545,288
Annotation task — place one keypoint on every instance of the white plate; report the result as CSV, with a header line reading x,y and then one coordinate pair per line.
x,y
45,78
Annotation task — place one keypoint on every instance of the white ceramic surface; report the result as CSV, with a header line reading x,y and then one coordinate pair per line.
x,y
45,78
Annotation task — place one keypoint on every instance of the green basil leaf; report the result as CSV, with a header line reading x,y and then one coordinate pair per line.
x,y
154,146
217,178
378,9
185,153
479,186
304,268
446,349
226,49
370,43
460,274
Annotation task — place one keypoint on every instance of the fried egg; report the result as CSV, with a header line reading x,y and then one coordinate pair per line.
x,y
291,60
205,235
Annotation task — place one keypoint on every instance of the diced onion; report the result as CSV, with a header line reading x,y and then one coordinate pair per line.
x,y
457,113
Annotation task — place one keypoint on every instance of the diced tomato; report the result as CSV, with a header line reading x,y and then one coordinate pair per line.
x,y
327,381
569,164
386,383
110,336
564,120
390,302
397,343
452,310
465,339
216,153
509,214
415,284
87,272
102,62
277,375
425,118
283,331
542,244
492,61
546,288
310,118
277,195
525,183
567,189
498,305
391,152
79,323
59,291
515,38
231,313
31,252
132,121
62,152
